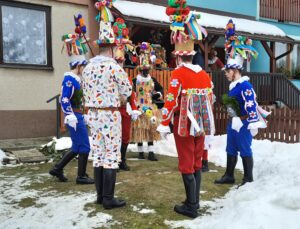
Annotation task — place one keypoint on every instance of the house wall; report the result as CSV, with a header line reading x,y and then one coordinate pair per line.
x,y
23,108
249,8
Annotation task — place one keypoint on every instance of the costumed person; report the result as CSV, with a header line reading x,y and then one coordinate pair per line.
x,y
128,107
147,90
104,82
189,103
72,105
214,63
245,114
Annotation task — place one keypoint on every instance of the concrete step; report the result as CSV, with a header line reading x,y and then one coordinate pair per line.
x,y
24,143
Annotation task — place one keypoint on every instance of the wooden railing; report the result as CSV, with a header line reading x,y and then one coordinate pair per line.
x,y
283,124
282,10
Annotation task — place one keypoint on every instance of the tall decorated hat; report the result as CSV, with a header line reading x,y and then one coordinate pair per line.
x,y
123,42
238,48
184,26
105,19
146,56
76,44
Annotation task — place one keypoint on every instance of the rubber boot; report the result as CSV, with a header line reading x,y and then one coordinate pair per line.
x,y
189,207
82,177
123,165
152,157
228,177
98,176
109,182
205,166
141,152
197,176
248,170
57,170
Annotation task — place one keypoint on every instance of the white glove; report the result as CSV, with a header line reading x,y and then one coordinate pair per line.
x,y
128,108
253,132
236,123
71,120
164,131
86,119
135,114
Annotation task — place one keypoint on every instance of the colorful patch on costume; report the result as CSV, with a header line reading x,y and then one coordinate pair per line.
x,y
174,83
170,97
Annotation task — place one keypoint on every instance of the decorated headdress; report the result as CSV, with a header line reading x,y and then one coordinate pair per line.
x,y
146,56
185,28
122,39
105,19
76,44
238,48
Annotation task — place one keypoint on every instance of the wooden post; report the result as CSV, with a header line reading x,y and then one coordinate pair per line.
x,y
271,53
206,54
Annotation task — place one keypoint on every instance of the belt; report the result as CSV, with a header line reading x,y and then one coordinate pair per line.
x,y
77,110
113,109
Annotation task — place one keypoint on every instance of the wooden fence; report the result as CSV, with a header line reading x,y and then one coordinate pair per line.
x,y
281,10
283,124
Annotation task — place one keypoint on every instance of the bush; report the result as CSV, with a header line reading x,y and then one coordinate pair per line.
x,y
284,71
297,74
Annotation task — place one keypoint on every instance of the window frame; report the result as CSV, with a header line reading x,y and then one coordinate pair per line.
x,y
47,11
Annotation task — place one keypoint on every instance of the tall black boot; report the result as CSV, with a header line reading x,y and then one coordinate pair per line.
x,y
228,177
98,176
151,155
189,207
248,169
123,165
109,182
197,176
82,177
57,170
141,151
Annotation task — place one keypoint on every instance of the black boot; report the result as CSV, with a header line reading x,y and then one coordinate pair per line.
x,y
189,208
82,177
228,177
141,155
109,182
197,176
123,165
57,170
205,166
248,169
98,176
152,157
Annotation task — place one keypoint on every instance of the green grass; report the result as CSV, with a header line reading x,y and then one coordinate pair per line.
x,y
158,185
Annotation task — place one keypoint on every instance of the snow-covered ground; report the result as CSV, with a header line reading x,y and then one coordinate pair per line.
x,y
271,201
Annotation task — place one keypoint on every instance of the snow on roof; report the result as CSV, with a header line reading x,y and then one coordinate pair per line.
x,y
157,13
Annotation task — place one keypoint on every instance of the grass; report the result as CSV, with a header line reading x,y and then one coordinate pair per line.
x,y
153,185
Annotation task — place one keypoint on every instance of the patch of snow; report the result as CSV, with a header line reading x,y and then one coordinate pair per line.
x,y
142,210
51,210
271,201
2,155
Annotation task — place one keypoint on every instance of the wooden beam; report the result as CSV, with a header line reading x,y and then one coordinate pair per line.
x,y
213,41
206,54
267,48
291,47
273,60
201,45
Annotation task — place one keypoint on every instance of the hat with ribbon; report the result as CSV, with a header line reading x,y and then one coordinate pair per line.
x,y
185,27
238,48
105,19
76,44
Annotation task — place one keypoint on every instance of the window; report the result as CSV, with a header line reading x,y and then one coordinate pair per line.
x,y
25,35
295,58
281,48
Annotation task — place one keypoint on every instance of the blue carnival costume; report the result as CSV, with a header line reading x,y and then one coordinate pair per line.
x,y
72,106
246,116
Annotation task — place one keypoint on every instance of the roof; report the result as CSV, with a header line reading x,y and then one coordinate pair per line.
x,y
150,14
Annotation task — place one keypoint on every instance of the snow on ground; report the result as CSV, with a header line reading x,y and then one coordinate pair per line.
x,y
142,210
2,155
60,211
271,201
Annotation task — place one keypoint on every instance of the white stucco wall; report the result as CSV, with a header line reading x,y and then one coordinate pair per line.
x,y
23,89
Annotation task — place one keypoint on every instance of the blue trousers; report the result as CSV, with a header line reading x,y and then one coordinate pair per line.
x,y
80,137
239,141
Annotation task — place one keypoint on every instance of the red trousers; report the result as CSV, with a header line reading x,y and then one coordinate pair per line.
x,y
126,122
190,150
